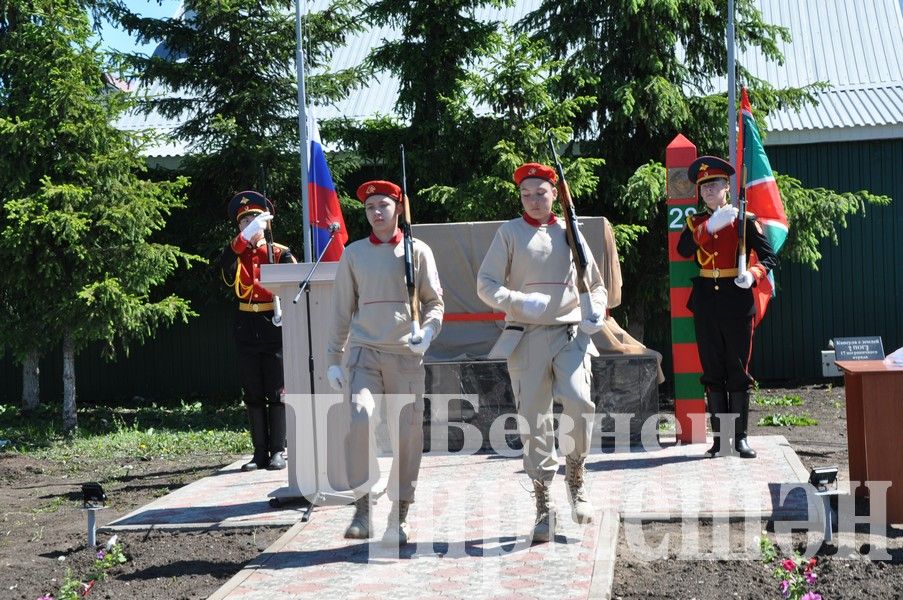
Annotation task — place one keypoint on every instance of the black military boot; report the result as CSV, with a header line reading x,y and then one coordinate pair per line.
x,y
257,421
740,405
276,417
717,406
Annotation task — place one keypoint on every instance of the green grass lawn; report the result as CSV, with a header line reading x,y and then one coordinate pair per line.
x,y
128,431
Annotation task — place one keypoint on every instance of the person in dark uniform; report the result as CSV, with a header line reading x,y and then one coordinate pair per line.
x,y
257,337
722,299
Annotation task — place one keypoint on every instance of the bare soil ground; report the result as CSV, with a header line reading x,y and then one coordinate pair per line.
x,y
42,531
734,569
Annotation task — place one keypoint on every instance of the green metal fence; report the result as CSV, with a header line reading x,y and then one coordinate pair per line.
x,y
858,287
856,291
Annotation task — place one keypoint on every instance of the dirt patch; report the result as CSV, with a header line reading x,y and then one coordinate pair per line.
x,y
714,561
43,530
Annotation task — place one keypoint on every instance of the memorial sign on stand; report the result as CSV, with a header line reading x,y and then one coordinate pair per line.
x,y
858,348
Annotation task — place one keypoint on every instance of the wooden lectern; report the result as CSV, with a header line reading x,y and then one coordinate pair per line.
x,y
874,393
317,422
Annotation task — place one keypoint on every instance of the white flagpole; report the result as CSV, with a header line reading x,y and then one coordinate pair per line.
x,y
302,131
732,98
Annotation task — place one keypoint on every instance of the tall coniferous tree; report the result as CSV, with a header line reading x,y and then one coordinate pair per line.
x,y
508,111
651,66
226,72
77,223
438,42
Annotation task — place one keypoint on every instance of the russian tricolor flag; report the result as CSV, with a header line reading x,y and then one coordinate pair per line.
x,y
324,202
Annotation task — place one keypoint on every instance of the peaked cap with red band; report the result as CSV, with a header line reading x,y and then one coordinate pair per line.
x,y
705,168
372,188
249,201
537,170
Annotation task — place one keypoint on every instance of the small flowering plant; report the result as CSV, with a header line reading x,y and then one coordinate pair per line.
x,y
75,589
796,575
107,559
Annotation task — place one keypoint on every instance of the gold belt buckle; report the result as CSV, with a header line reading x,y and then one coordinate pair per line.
x,y
716,273
256,307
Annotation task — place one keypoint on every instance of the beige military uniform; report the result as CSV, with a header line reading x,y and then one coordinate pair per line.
x,y
551,361
370,329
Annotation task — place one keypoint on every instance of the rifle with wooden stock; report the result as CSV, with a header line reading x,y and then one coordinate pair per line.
x,y
572,230
271,255
416,335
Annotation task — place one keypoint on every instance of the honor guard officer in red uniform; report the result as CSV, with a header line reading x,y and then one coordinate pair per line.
x,y
258,339
722,300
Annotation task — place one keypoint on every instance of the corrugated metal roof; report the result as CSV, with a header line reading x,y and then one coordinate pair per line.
x,y
856,47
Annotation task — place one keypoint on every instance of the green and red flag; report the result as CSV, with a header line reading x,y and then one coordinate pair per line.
x,y
762,195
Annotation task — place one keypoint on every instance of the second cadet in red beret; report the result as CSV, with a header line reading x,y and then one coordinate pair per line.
x,y
528,274
537,170
378,187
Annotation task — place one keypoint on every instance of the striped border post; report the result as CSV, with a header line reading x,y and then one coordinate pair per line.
x,y
689,395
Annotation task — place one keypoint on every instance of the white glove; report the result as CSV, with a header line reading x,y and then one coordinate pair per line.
x,y
534,304
256,226
745,280
590,327
721,218
426,336
336,377
592,316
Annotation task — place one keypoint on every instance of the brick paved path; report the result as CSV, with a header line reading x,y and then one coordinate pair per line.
x,y
473,515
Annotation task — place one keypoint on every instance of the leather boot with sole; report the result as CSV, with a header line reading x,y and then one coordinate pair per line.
x,y
359,529
397,531
575,476
257,421
544,526
276,421
740,405
717,406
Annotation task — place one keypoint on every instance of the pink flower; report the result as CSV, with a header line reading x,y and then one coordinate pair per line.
x,y
101,554
785,588
811,596
811,577
788,565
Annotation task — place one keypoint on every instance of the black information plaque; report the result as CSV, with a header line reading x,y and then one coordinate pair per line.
x,y
859,348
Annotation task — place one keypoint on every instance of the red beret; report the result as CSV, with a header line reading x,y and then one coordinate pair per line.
x,y
528,170
372,188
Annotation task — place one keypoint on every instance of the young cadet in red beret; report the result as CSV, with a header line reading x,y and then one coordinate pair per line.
x,y
258,340
721,300
371,332
528,273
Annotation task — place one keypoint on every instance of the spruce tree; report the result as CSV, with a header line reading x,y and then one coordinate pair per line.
x,y
225,71
77,225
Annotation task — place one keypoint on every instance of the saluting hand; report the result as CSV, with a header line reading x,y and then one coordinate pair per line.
x,y
256,226
721,218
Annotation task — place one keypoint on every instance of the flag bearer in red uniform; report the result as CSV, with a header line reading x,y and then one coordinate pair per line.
x,y
371,353
529,274
258,339
722,300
